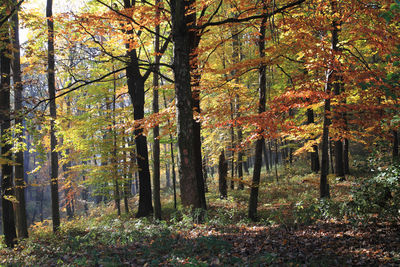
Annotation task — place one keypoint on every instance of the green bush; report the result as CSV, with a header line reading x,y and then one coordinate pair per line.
x,y
378,196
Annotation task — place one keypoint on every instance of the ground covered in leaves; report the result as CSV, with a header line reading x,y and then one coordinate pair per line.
x,y
295,229
141,243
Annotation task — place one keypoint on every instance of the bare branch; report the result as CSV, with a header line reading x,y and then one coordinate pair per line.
x,y
240,20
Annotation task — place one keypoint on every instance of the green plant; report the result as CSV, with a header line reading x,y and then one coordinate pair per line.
x,y
378,196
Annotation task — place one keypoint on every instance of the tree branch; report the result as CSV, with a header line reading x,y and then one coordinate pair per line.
x,y
3,20
74,88
240,20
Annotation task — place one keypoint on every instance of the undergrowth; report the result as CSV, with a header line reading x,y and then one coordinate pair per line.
x,y
102,238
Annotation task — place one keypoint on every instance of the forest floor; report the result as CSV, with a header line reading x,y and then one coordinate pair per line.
x,y
294,230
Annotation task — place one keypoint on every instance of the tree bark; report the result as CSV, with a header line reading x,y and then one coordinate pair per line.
x,y
331,155
237,56
66,167
395,152
136,91
22,228
339,162
156,129
172,156
205,174
194,40
114,153
53,114
276,161
167,169
265,154
67,190
184,106
222,174
9,230
127,178
232,148
314,154
346,164
324,186
331,77
339,166
253,202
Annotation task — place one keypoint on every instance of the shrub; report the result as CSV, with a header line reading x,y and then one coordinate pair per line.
x,y
378,196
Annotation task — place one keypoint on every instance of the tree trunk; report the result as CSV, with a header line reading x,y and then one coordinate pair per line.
x,y
9,230
173,171
222,174
167,174
265,154
395,152
167,169
205,174
136,91
22,229
126,178
339,166
156,129
53,114
66,167
346,164
246,166
330,81
253,202
232,147
331,155
324,186
67,190
41,203
172,156
114,157
240,162
276,160
84,195
194,40
314,154
237,56
270,154
184,106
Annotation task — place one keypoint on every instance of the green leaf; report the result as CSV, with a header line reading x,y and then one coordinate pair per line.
x,y
387,16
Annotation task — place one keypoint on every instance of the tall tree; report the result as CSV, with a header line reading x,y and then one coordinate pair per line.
x,y
156,130
22,229
194,40
5,120
190,195
137,93
53,114
253,202
330,82
339,160
114,156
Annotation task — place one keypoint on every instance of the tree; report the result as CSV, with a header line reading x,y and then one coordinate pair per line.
x,y
261,108
156,129
5,120
136,91
314,153
222,174
331,82
53,114
190,195
22,229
